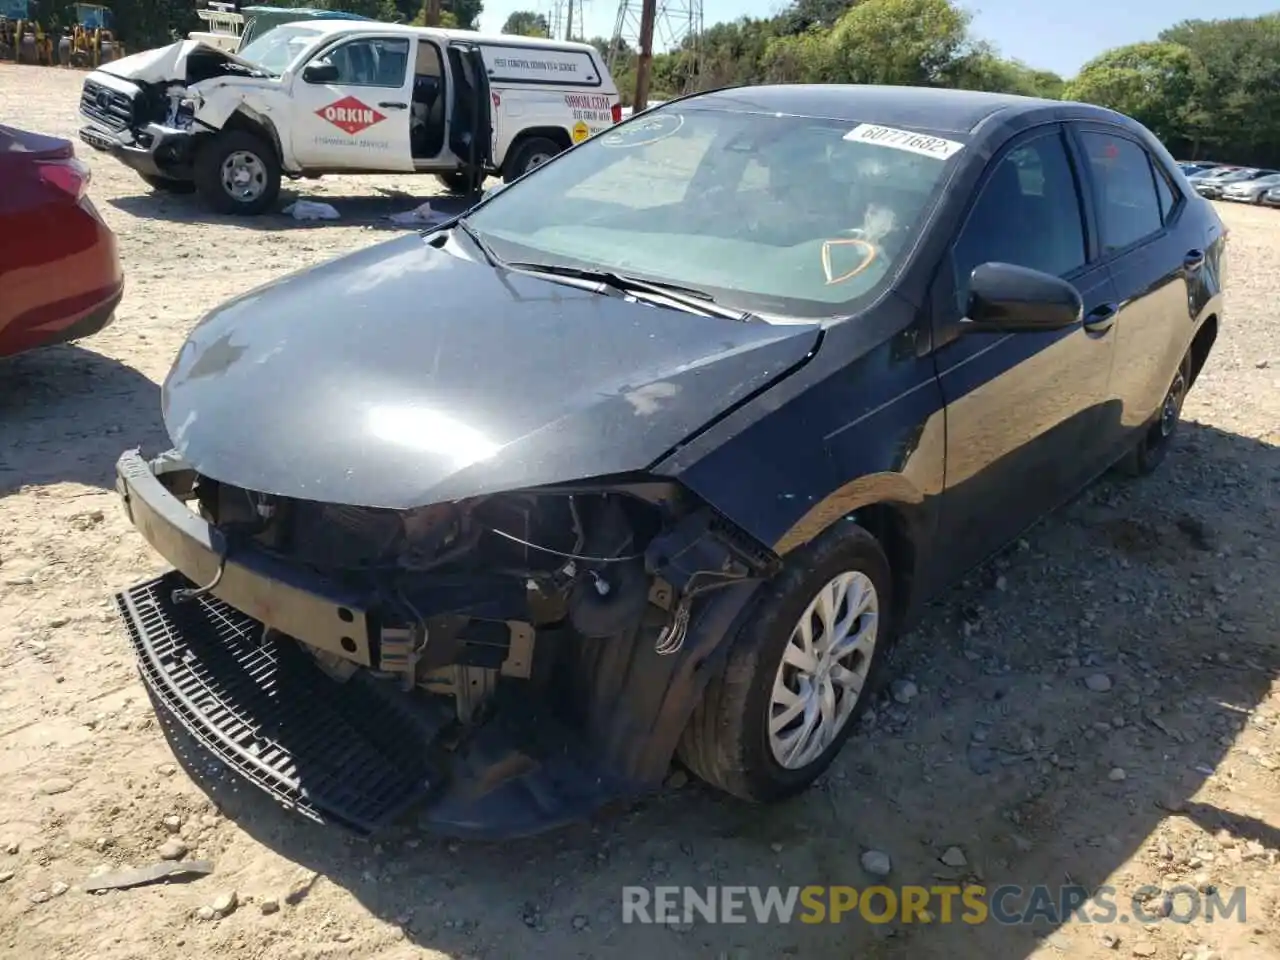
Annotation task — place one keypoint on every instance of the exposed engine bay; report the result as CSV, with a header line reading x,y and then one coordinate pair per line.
x,y
506,637
468,590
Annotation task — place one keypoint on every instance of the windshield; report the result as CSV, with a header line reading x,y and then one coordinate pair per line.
x,y
276,49
781,215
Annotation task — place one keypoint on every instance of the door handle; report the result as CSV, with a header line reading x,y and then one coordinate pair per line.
x,y
1100,318
392,105
1194,259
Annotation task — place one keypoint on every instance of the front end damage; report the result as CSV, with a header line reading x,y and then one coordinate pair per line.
x,y
148,110
505,663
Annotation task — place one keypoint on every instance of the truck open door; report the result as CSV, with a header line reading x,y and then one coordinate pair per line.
x,y
471,131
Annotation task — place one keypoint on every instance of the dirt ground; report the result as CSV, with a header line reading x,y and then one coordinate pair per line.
x,y
1007,747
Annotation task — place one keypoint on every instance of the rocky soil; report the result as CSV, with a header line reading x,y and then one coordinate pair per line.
x,y
1097,706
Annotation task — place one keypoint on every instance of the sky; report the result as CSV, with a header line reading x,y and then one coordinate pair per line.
x,y
1059,36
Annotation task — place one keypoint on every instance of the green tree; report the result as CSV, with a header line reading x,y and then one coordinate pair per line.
x,y
911,42
1157,84
527,23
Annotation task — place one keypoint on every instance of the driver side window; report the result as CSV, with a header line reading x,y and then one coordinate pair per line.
x,y
1028,214
370,62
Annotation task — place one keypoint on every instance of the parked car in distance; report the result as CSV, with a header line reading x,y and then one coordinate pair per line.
x,y
1250,191
832,346
1271,198
1204,173
60,275
1211,187
1191,168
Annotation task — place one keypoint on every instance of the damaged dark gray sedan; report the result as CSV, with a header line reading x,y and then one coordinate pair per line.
x,y
652,453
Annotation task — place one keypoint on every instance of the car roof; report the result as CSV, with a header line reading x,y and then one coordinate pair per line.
x,y
952,111
327,27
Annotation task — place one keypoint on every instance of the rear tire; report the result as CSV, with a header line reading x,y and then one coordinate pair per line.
x,y
529,155
728,741
165,185
238,173
1151,450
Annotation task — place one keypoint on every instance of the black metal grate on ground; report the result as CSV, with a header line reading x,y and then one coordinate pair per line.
x,y
334,752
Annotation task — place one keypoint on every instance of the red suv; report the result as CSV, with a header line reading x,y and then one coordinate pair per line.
x,y
60,275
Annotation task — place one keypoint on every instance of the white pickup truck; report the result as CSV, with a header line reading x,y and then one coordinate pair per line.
x,y
340,96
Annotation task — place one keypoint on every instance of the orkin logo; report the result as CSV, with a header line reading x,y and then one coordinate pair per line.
x,y
351,115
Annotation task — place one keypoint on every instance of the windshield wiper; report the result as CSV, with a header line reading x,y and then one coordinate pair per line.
x,y
691,298
487,251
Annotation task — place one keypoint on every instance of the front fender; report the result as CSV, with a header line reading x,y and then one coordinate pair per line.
x,y
876,488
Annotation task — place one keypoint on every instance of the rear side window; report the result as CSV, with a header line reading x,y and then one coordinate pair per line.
x,y
1027,214
1128,205
1167,193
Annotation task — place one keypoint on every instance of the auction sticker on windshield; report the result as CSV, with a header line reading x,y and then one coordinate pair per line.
x,y
645,131
920,143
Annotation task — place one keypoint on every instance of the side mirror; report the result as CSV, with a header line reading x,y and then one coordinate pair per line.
x,y
320,71
1004,298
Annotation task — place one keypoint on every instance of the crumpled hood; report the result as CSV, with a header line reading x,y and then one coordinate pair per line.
x,y
166,64
404,375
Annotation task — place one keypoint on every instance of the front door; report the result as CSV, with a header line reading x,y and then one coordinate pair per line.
x,y
1028,414
357,116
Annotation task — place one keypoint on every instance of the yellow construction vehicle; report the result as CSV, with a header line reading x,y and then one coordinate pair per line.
x,y
93,39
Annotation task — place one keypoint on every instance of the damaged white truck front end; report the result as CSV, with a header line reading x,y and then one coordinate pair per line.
x,y
155,110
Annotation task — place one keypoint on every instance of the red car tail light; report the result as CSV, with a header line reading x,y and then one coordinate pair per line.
x,y
71,176
616,110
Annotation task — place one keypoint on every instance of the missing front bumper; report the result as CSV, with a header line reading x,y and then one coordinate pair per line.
x,y
302,605
333,752
360,753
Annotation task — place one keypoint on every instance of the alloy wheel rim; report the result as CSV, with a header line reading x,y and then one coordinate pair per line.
x,y
824,669
1172,408
244,176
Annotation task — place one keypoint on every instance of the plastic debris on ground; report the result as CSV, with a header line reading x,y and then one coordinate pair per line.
x,y
311,210
418,216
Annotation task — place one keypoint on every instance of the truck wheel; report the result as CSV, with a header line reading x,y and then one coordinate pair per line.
x,y
532,153
165,185
238,173
802,668
457,182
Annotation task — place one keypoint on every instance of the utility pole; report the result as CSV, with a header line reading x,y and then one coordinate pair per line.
x,y
568,26
648,11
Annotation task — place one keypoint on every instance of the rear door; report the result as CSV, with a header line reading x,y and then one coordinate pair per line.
x,y
1151,244
360,121
1028,414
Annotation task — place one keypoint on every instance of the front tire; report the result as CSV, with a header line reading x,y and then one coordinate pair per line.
x,y
238,173
800,671
1151,450
531,154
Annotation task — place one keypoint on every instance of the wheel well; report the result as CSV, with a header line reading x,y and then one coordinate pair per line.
x,y
888,524
557,135
242,121
1201,346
